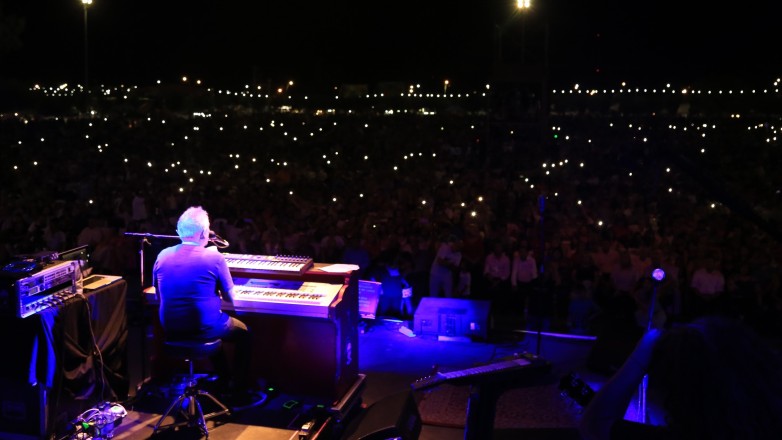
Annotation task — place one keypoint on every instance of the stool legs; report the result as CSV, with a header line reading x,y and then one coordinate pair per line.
x,y
194,415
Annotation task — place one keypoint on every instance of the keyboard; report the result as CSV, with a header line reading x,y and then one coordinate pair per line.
x,y
267,263
300,298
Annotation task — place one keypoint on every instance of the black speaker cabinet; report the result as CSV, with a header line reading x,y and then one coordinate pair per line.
x,y
395,416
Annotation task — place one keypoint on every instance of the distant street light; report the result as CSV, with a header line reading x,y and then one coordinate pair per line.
x,y
86,3
522,6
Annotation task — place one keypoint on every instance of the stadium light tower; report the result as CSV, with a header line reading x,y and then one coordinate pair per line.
x,y
522,6
86,4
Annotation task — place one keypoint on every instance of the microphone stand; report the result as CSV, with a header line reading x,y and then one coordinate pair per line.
x,y
144,236
645,381
541,271
143,239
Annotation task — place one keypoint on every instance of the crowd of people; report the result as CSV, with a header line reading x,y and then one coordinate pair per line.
x,y
559,230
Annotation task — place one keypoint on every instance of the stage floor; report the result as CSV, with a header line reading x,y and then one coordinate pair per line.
x,y
391,360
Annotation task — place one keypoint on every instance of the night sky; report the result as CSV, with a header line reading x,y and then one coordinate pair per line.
x,y
333,41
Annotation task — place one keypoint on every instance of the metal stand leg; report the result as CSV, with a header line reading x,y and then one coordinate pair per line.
x,y
481,409
194,416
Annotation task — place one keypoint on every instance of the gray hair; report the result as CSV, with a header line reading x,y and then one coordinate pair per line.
x,y
192,222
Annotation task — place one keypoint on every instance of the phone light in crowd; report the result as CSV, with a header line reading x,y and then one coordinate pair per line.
x,y
658,274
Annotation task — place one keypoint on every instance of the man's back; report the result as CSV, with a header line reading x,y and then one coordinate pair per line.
x,y
188,278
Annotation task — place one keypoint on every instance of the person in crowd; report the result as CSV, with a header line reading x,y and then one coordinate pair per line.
x,y
584,270
708,285
624,278
92,234
605,257
191,279
407,305
496,272
445,267
713,378
54,237
464,281
524,272
392,284
582,309
356,253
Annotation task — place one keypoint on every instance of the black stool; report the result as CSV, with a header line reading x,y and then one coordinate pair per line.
x,y
187,403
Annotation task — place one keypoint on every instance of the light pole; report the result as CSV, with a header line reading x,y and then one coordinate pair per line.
x,y
86,3
522,6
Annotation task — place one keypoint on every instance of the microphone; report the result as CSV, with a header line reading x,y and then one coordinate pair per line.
x,y
658,275
218,241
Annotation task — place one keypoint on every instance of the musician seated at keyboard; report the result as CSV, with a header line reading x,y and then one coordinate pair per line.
x,y
190,278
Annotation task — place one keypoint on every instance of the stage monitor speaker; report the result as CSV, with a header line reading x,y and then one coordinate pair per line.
x,y
393,417
452,317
